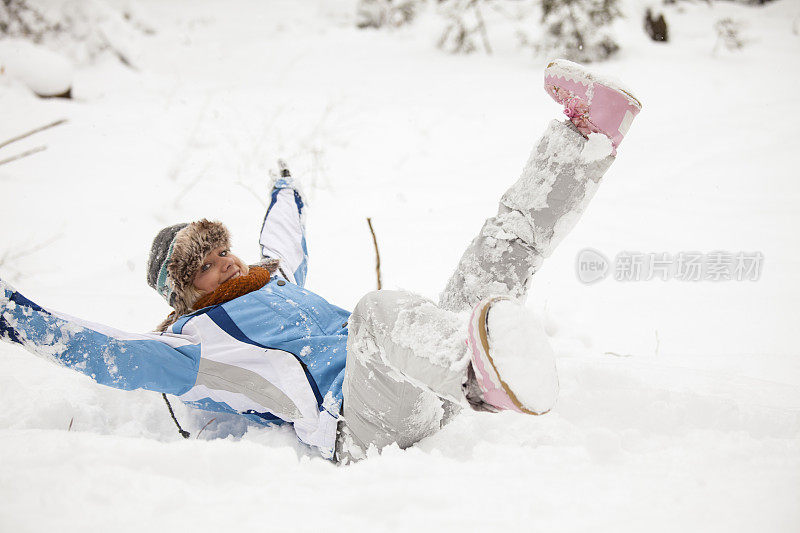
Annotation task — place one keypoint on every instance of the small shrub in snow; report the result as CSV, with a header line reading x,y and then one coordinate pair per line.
x,y
81,29
18,19
579,30
464,28
729,35
379,13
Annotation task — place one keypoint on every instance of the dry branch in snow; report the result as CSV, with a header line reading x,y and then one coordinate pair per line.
x,y
26,153
31,132
377,253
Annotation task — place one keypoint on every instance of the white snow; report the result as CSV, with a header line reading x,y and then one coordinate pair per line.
x,y
597,147
680,401
522,355
427,329
44,72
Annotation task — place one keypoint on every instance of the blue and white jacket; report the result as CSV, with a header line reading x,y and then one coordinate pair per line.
x,y
276,355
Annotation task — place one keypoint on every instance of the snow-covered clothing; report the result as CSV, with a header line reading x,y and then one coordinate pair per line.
x,y
274,355
407,358
593,102
535,213
284,354
406,365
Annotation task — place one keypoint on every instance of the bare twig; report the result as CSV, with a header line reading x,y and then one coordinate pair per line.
x,y
204,427
26,153
658,342
482,28
122,57
377,253
71,420
36,130
615,354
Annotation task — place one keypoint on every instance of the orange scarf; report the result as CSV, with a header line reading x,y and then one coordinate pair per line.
x,y
233,288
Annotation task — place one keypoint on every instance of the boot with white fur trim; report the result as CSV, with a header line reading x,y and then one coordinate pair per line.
x,y
513,362
595,104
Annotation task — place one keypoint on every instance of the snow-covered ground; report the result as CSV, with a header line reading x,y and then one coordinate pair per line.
x,y
680,401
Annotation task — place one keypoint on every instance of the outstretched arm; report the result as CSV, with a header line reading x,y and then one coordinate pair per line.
x,y
283,234
163,363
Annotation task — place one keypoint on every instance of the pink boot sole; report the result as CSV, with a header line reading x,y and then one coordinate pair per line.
x,y
518,378
594,104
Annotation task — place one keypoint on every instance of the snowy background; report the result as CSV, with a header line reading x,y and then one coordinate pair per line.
x,y
680,402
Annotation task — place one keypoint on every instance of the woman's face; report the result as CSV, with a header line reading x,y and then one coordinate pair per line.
x,y
219,266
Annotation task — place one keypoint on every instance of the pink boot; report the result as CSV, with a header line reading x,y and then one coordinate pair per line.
x,y
593,103
513,363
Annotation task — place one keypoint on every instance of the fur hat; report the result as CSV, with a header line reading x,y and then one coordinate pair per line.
x,y
177,252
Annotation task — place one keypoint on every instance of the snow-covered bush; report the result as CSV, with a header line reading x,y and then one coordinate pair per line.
x,y
22,56
574,29
81,29
18,19
465,29
579,30
729,35
379,13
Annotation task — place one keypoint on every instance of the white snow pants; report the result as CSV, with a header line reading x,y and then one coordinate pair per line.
x,y
406,357
406,362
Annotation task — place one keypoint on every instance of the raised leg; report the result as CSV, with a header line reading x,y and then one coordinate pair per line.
x,y
558,181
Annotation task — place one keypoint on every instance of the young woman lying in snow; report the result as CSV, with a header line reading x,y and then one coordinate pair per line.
x,y
253,341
